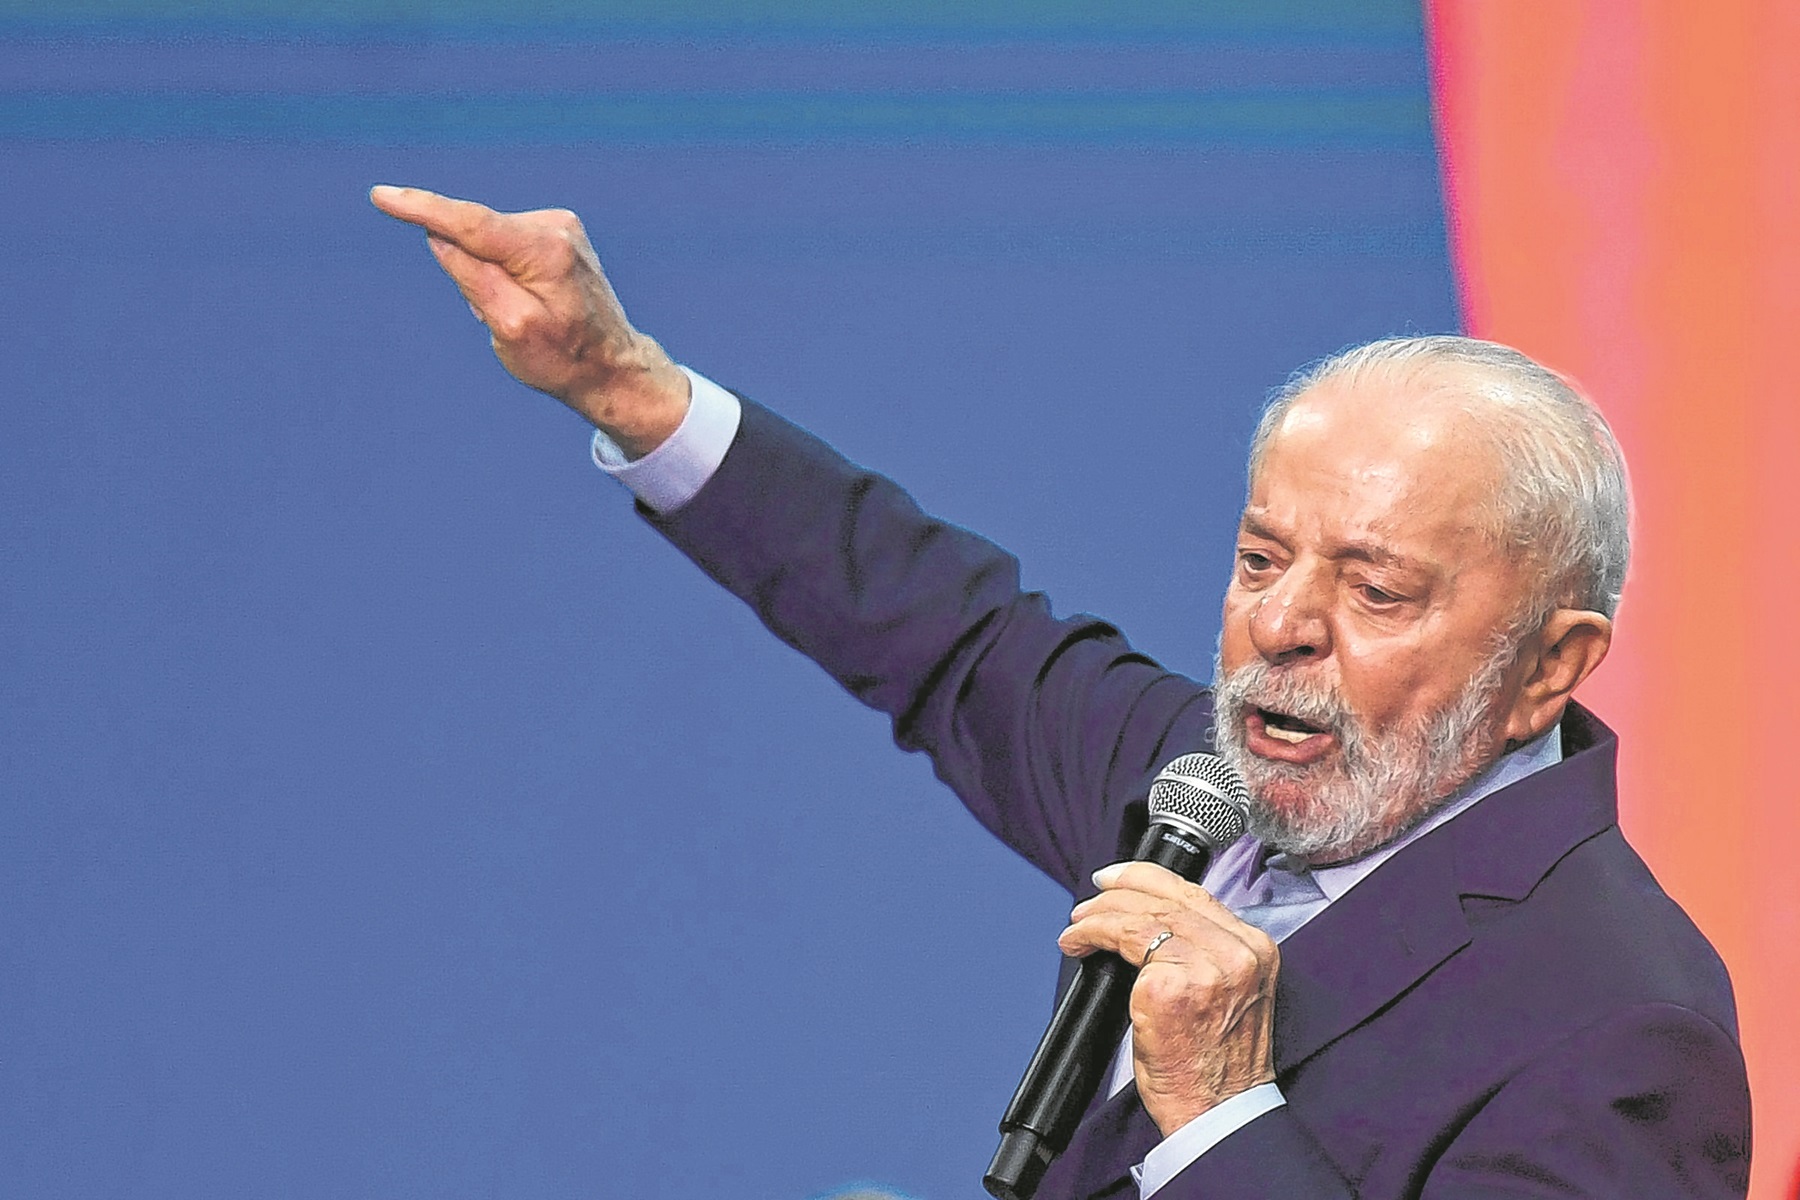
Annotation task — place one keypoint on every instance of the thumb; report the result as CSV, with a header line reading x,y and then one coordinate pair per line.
x,y
496,297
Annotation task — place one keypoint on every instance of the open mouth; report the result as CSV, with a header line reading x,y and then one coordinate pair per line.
x,y
1286,728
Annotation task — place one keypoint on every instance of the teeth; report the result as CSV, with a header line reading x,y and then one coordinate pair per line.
x,y
1287,735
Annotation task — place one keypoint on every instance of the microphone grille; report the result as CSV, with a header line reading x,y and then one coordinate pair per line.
x,y
1203,792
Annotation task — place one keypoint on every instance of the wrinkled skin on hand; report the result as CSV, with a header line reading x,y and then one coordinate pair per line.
x,y
533,279
1203,1008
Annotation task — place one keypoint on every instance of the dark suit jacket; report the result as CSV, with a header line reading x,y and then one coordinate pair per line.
x,y
1508,1007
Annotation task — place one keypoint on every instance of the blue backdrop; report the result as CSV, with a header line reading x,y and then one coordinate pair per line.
x,y
384,810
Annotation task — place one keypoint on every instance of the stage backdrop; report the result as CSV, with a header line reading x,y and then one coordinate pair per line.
x,y
388,812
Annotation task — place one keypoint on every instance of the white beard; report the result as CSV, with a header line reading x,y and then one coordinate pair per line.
x,y
1378,785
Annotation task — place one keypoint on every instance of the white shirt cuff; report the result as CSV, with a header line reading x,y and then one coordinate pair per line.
x,y
673,473
1176,1152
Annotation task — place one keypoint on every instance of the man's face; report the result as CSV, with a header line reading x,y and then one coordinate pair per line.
x,y
1363,670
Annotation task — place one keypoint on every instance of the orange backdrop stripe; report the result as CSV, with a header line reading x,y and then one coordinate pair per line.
x,y
1623,185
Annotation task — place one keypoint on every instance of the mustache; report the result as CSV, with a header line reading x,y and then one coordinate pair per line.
x,y
1256,685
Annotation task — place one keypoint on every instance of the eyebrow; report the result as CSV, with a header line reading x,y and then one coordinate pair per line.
x,y
1359,551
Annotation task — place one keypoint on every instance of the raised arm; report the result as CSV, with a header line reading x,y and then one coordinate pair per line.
x,y
1045,728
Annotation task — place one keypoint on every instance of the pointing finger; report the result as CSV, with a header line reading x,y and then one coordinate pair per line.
x,y
417,206
475,228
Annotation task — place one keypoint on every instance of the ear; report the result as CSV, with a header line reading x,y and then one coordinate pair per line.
x,y
1554,661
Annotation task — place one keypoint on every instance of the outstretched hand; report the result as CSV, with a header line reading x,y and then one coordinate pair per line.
x,y
1203,1007
533,279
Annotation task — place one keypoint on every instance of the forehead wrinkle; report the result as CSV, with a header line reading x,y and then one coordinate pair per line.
x,y
1352,548
1370,512
1374,553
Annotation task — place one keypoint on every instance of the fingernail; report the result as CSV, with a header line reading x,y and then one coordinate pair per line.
x,y
1105,875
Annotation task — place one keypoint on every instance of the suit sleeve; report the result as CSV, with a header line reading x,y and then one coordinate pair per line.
x,y
1044,727
1649,1104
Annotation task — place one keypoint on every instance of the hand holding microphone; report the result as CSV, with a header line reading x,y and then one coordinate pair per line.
x,y
1201,1012
1203,1007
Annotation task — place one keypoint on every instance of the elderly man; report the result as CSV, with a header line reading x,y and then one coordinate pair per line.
x,y
1434,968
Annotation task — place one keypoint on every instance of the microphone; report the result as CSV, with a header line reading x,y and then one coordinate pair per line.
x,y
1198,803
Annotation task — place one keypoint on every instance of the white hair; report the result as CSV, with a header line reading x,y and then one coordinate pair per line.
x,y
1564,497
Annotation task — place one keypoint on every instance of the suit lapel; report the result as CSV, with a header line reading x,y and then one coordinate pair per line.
x,y
1373,943
1393,928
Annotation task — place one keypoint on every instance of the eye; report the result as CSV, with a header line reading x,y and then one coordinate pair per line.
x,y
1254,562
1376,597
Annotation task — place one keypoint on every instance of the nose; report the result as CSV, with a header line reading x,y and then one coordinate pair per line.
x,y
1288,621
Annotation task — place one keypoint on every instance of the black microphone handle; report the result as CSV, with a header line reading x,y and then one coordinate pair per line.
x,y
1077,1048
